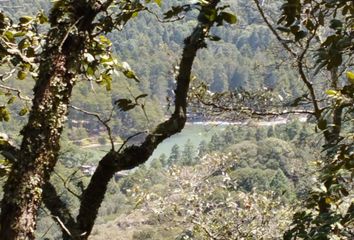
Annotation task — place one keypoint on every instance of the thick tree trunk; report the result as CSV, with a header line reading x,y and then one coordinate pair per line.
x,y
40,145
38,154
38,151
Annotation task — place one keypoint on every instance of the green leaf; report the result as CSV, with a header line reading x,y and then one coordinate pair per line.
x,y
104,40
23,111
141,96
130,74
350,77
42,17
21,75
322,124
125,104
4,114
106,59
90,72
173,12
283,29
214,38
11,100
228,17
331,92
25,19
158,2
336,24
106,79
300,35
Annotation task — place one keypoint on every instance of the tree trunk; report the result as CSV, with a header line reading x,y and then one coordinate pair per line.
x,y
40,145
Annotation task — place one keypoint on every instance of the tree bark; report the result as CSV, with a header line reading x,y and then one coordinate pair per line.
x,y
133,156
39,149
40,145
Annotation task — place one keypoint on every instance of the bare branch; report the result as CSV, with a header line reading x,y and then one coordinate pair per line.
x,y
66,181
128,139
19,92
300,64
99,118
271,28
7,75
14,52
58,208
178,18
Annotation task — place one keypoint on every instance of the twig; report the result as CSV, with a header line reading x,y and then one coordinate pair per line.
x,y
250,111
317,110
46,232
282,41
65,182
12,51
19,92
7,75
127,140
62,225
178,18
99,118
67,33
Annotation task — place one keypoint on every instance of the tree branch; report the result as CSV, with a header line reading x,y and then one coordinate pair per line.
x,y
249,111
58,209
133,156
8,150
17,91
99,118
271,28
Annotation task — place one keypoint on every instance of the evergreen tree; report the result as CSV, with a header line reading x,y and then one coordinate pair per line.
x,y
260,134
202,149
156,163
175,155
188,154
270,132
163,160
280,184
215,143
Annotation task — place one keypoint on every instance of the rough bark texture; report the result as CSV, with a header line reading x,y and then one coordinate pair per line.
x,y
40,145
38,153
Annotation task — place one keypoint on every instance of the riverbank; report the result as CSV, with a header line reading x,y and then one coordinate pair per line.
x,y
251,122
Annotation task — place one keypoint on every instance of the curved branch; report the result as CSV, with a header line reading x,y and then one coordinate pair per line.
x,y
133,156
271,28
99,118
300,58
300,63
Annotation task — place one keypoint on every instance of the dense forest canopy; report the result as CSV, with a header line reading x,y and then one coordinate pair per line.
x,y
112,79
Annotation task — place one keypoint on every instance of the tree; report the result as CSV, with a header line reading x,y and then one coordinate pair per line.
x,y
301,22
318,36
202,149
188,154
175,155
75,47
215,143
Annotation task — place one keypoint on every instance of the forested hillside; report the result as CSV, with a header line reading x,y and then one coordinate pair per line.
x,y
90,89
243,58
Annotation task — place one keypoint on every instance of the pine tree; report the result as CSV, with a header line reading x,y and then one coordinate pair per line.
x,y
175,155
188,154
